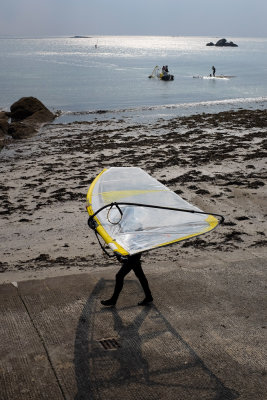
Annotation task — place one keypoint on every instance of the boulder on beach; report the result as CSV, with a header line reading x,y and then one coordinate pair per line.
x,y
28,107
4,115
222,43
20,130
27,115
3,127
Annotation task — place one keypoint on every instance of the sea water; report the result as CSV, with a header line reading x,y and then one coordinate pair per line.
x,y
107,77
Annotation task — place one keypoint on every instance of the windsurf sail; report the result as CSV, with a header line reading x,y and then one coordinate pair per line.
x,y
133,212
155,72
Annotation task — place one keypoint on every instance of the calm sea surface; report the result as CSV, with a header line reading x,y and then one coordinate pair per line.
x,y
72,75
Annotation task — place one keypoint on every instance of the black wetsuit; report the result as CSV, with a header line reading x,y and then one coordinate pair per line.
x,y
213,71
131,263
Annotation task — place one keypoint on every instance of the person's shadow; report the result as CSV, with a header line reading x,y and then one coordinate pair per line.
x,y
130,347
98,370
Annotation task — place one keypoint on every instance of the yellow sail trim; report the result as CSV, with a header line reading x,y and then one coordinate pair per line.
x,y
102,232
90,193
109,197
211,220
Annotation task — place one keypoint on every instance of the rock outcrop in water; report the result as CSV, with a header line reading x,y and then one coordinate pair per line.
x,y
80,37
27,115
222,43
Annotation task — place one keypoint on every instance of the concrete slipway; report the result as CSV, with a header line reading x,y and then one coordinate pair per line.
x,y
204,337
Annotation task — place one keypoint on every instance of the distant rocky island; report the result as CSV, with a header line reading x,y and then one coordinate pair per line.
x,y
222,43
80,37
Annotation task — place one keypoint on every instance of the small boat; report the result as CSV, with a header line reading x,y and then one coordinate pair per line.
x,y
167,77
163,75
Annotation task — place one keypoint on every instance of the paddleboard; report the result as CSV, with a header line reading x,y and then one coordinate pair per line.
x,y
214,77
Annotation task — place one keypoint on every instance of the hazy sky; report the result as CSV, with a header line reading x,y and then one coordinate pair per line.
x,y
213,18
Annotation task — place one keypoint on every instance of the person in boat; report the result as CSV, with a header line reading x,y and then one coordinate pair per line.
x,y
165,71
129,263
213,70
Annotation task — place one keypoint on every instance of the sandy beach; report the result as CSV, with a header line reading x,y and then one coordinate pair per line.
x,y
215,161
204,337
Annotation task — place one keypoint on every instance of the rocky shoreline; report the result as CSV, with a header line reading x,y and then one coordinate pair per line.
x,y
24,119
215,161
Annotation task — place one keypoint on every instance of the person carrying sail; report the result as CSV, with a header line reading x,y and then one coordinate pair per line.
x,y
126,206
130,263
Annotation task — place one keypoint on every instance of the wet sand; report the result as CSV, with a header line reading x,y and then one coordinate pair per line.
x,y
215,161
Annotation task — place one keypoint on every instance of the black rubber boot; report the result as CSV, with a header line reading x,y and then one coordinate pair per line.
x,y
108,303
147,300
